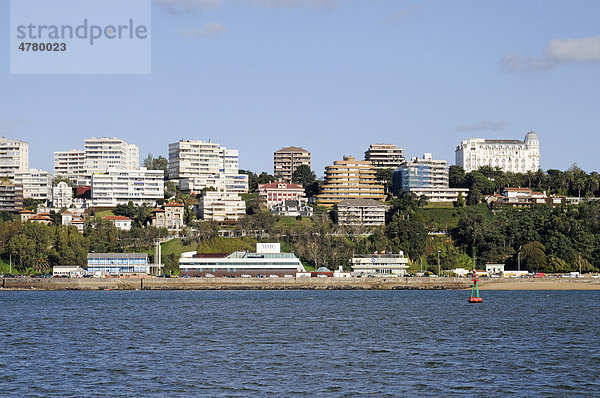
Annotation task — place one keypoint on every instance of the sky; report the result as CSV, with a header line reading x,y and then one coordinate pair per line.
x,y
331,76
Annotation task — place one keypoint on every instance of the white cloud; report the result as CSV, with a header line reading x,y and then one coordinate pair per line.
x,y
557,52
206,31
484,125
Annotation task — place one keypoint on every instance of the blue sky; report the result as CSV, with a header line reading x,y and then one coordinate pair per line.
x,y
332,76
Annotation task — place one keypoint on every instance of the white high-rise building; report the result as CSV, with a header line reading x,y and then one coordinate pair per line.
x,y
14,156
221,206
509,155
104,153
70,164
99,155
37,184
119,186
197,164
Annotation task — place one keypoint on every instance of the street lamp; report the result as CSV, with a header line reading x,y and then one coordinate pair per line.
x,y
439,269
519,259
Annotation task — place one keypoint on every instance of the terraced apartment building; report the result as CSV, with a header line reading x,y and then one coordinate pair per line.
x,y
349,179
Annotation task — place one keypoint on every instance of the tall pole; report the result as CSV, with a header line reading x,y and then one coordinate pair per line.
x,y
519,261
439,269
580,265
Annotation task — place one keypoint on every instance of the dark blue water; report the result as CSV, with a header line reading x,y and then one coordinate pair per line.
x,y
299,343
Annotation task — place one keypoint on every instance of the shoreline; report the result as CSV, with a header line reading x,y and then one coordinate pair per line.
x,y
151,283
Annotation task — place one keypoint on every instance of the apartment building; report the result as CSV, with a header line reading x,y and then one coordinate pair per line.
x,y
221,206
117,186
225,182
287,160
37,184
11,196
349,179
509,155
424,172
367,212
70,164
99,155
199,164
14,157
385,156
104,153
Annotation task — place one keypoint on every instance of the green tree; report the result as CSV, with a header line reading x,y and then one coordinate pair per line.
x,y
385,177
303,175
533,256
456,177
158,163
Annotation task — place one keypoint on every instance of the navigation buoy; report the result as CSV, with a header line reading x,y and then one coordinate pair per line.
x,y
475,298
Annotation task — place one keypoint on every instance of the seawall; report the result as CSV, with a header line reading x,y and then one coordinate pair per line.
x,y
294,284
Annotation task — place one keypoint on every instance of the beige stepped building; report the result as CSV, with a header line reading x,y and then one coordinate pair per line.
x,y
349,179
385,156
287,160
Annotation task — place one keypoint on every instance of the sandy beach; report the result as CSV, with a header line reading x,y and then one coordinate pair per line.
x,y
540,284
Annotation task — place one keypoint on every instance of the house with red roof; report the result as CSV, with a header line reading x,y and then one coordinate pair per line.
x,y
121,222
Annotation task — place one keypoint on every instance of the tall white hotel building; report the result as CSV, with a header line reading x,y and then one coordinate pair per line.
x,y
514,156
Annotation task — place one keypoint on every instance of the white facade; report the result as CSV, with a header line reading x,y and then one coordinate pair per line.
x,y
104,153
440,194
116,187
62,195
367,212
14,157
99,155
276,192
36,184
199,164
221,182
121,222
380,264
509,155
70,164
221,206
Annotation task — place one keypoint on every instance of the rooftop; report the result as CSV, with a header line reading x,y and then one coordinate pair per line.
x,y
291,149
361,202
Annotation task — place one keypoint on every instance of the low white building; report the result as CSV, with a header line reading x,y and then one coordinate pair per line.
x,y
380,264
116,187
74,217
36,183
222,181
221,206
441,194
62,195
72,271
121,222
367,212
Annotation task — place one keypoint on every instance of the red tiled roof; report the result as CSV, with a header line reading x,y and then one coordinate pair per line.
x,y
25,211
173,205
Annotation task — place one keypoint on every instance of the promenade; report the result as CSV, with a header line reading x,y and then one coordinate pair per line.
x,y
151,283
